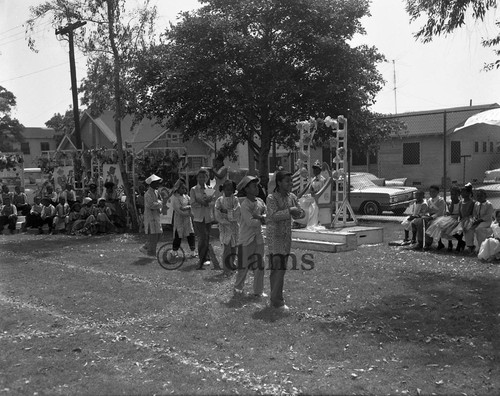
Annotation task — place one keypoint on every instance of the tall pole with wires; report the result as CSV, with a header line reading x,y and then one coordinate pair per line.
x,y
76,114
395,87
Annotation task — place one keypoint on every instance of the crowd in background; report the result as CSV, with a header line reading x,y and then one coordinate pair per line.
x,y
467,218
63,211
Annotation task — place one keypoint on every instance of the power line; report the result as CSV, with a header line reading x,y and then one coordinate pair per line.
x,y
22,26
19,38
38,71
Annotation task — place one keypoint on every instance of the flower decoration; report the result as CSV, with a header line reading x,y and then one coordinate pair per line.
x,y
10,161
330,122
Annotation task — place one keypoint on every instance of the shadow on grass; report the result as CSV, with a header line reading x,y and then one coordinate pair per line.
x,y
238,301
143,261
188,267
45,242
269,314
437,311
216,277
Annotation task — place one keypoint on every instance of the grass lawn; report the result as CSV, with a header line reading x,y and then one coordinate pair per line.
x,y
90,315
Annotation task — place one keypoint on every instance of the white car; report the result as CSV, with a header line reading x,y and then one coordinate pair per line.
x,y
370,196
492,176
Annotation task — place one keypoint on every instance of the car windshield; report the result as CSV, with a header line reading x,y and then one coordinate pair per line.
x,y
360,182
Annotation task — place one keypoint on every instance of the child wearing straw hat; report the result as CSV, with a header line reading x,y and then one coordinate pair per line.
x,y
152,209
253,212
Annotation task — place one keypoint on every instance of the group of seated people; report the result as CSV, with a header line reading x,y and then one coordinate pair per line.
x,y
63,212
467,219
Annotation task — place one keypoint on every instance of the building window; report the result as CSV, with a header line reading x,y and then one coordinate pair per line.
x,y
485,147
456,153
491,147
196,162
45,146
25,148
476,147
175,138
358,158
411,153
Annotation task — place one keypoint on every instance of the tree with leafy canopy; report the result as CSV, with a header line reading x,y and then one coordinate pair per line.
x,y
10,128
247,70
110,39
444,16
62,124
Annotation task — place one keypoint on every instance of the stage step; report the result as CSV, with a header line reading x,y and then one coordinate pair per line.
x,y
319,246
336,240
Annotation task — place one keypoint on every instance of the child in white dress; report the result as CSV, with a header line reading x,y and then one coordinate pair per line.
x,y
490,248
418,209
183,225
227,213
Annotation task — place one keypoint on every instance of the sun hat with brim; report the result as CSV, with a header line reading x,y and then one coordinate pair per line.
x,y
244,182
87,200
100,199
152,179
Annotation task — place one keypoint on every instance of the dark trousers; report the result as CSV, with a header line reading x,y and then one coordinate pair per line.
x,y
49,221
23,210
277,279
202,231
229,257
176,244
420,224
34,221
10,220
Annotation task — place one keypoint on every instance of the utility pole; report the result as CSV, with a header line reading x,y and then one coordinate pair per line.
x,y
76,115
465,160
395,89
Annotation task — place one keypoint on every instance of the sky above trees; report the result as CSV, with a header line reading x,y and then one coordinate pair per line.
x,y
444,73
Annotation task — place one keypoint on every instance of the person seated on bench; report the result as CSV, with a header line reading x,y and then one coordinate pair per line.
x,y
490,248
20,200
436,207
418,209
443,226
482,216
8,215
34,218
47,215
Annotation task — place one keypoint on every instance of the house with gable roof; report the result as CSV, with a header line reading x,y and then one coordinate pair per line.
x,y
430,144
146,136
37,141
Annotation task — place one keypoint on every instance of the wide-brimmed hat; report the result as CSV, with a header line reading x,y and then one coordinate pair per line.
x,y
317,164
100,199
153,178
244,182
87,200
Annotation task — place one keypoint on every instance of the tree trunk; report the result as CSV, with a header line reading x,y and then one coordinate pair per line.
x,y
118,116
265,149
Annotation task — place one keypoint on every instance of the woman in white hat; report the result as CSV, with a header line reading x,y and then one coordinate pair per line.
x,y
152,209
